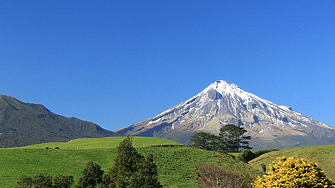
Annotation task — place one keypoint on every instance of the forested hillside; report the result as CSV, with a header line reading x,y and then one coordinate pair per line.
x,y
25,124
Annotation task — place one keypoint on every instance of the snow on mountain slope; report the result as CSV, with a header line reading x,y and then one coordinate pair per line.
x,y
270,125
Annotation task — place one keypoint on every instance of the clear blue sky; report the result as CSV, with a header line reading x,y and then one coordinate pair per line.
x,y
116,63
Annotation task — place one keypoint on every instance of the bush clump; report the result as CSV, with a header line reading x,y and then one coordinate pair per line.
x,y
216,177
45,180
246,156
294,173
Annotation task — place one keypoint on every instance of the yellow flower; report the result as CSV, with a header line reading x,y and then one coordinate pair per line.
x,y
290,172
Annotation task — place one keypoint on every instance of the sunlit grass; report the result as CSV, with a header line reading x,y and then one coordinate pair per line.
x,y
175,164
107,142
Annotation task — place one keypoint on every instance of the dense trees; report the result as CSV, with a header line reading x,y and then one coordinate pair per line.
x,y
294,173
45,180
231,139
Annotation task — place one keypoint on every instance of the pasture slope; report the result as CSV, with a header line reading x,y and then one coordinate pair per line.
x,y
176,163
322,155
103,143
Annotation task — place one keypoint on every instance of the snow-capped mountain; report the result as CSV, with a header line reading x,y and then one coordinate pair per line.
x,y
270,125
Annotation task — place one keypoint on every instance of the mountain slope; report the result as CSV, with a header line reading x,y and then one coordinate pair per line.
x,y
270,125
25,124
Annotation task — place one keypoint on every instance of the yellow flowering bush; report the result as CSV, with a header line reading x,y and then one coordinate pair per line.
x,y
293,173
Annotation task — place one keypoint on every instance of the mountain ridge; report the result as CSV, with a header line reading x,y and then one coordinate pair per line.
x,y
28,123
270,125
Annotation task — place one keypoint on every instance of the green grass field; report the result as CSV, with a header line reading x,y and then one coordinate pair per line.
x,y
175,164
98,143
324,156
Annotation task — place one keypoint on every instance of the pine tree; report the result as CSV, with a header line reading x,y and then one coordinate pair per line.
x,y
232,137
126,164
131,169
146,176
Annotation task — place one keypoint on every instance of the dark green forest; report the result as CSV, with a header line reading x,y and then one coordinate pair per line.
x,y
24,124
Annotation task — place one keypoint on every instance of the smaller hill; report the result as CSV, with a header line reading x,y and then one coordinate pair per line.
x,y
322,155
24,124
107,142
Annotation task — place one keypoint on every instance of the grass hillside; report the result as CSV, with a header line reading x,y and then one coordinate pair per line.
x,y
175,164
322,155
107,142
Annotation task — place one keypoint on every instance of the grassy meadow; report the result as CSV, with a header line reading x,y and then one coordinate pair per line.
x,y
324,156
98,143
176,163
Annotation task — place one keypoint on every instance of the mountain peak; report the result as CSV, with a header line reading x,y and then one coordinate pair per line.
x,y
222,88
220,82
222,85
270,125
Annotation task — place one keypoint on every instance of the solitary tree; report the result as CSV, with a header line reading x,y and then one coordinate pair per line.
x,y
126,163
205,141
92,176
232,137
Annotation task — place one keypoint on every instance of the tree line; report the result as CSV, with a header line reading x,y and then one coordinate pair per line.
x,y
231,138
131,170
